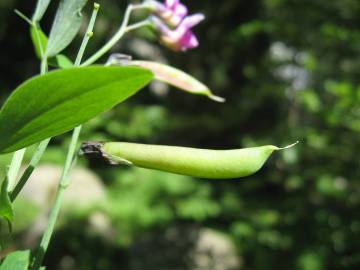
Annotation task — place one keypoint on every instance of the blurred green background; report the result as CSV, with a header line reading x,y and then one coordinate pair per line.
x,y
289,70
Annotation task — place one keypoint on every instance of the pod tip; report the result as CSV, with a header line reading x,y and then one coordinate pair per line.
x,y
288,146
217,98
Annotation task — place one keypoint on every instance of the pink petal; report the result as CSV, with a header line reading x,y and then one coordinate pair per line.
x,y
160,26
188,41
193,42
171,3
181,10
192,20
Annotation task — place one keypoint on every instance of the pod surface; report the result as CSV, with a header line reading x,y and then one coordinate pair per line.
x,y
202,163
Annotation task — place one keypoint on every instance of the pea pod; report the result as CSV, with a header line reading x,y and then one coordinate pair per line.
x,y
202,163
167,74
177,78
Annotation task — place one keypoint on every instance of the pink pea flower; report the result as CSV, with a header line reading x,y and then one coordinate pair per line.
x,y
171,11
181,38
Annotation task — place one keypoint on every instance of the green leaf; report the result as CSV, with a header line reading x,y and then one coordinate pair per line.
x,y
49,105
18,260
6,209
39,40
61,61
66,25
177,78
41,7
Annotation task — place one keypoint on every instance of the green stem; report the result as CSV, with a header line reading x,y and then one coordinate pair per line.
x,y
122,30
44,66
137,25
88,35
64,180
15,167
23,16
29,170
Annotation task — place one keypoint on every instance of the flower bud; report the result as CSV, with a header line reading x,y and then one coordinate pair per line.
x,y
172,11
181,38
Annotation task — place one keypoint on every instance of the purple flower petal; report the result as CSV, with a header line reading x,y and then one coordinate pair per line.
x,y
173,13
171,3
181,10
180,39
192,20
188,41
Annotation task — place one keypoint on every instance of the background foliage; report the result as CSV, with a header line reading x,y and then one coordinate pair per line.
x,y
289,71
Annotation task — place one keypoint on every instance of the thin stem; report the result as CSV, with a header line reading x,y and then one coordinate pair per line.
x,y
29,170
23,16
64,180
137,25
88,35
117,36
44,66
15,167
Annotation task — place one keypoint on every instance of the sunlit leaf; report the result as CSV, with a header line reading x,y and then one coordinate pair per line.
x,y
40,41
66,25
49,105
61,61
6,209
41,7
18,260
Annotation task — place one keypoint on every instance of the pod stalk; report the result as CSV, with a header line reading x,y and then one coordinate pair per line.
x,y
95,148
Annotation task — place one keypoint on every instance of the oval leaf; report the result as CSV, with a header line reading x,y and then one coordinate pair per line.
x,y
41,7
18,260
66,25
6,209
60,61
52,104
177,78
39,40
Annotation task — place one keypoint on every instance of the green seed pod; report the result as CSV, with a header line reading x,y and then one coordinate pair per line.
x,y
202,163
167,74
177,78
